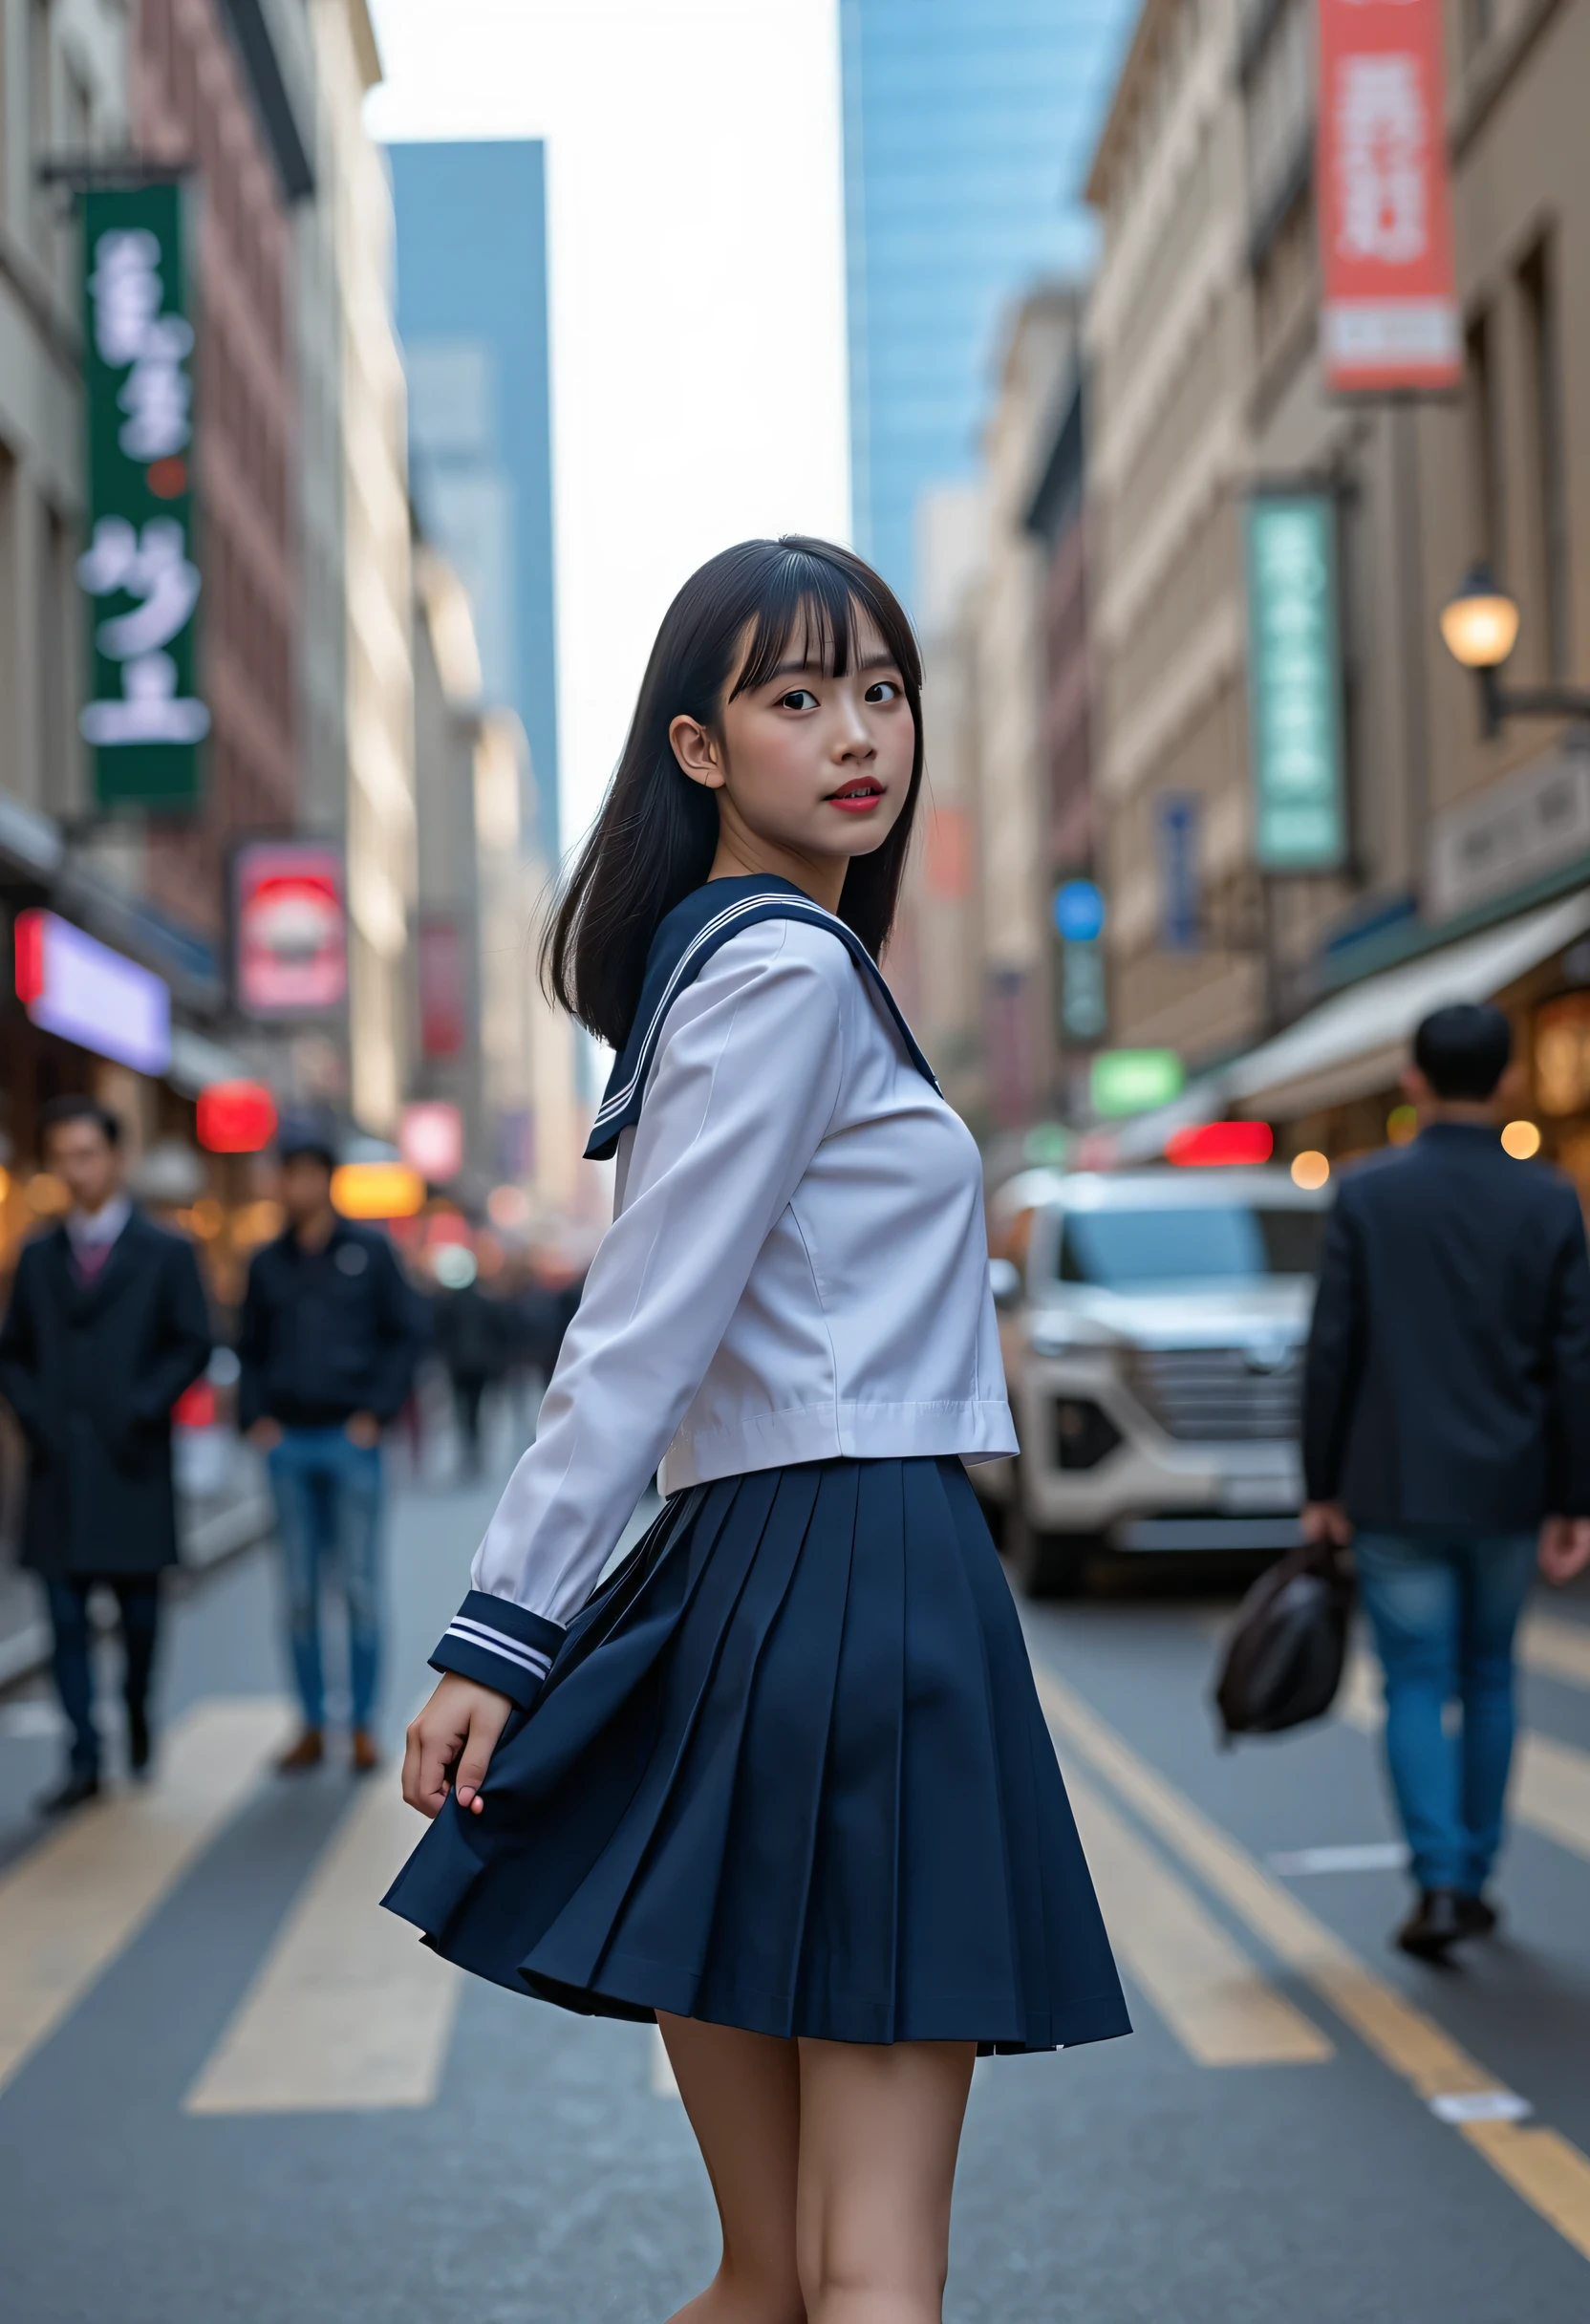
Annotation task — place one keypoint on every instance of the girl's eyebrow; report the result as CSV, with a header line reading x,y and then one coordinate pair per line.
x,y
800,669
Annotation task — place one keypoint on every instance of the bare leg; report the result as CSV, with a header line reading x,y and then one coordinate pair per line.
x,y
880,2128
743,2095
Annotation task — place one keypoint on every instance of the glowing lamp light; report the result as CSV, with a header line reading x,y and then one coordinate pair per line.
x,y
377,1190
1479,626
507,1206
1402,1125
1310,1170
1221,1144
1522,1140
236,1118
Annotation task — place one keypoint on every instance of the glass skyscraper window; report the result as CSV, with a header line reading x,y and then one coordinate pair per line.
x,y
969,126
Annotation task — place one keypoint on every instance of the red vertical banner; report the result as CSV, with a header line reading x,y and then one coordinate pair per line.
x,y
1389,315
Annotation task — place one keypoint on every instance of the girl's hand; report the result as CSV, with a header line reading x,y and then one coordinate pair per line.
x,y
451,1742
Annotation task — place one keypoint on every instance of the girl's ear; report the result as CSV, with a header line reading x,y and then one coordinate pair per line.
x,y
697,751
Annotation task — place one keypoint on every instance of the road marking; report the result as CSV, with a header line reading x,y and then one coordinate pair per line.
x,y
1556,1649
1543,2167
1551,1781
1369,1856
1214,1998
349,2010
76,1901
664,2083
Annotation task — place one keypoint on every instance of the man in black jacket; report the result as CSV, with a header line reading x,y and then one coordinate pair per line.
x,y
107,1325
330,1338
1447,1434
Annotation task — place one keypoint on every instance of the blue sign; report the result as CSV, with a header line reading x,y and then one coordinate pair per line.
x,y
1177,819
1078,912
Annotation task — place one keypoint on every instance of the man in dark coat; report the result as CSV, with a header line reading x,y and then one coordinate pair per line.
x,y
107,1325
1447,1435
330,1338
470,1331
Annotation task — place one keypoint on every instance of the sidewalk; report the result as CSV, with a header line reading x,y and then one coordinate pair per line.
x,y
222,1506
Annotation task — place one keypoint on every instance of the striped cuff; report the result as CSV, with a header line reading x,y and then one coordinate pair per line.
x,y
499,1645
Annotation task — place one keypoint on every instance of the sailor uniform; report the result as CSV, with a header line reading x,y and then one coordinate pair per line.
x,y
787,1768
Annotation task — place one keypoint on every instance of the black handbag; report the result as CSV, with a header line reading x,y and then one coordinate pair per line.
x,y
1284,1661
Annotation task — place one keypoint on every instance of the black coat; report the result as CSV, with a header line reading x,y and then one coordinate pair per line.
x,y
92,1373
328,1333
1448,1382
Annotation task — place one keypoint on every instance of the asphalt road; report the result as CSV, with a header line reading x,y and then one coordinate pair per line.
x,y
229,2089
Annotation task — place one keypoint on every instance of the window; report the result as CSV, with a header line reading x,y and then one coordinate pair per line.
x,y
1125,1250
1485,482
1547,483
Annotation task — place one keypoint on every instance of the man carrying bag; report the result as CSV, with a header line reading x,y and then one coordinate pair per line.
x,y
1446,1436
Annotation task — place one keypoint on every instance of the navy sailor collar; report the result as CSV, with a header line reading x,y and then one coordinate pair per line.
x,y
685,941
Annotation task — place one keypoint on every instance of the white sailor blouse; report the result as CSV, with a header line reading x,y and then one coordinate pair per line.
x,y
797,1268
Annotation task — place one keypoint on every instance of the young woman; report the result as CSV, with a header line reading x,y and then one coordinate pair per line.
x,y
781,1783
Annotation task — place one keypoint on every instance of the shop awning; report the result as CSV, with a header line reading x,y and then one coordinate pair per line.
x,y
1357,1041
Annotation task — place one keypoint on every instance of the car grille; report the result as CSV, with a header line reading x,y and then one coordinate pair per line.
x,y
1219,1396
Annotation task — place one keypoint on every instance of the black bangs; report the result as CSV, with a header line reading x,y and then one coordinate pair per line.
x,y
657,834
808,603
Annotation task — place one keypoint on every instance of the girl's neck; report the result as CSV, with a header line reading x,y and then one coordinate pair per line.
x,y
742,854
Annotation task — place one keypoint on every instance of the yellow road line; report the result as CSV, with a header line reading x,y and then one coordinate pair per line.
x,y
1556,1648
1550,2173
348,2010
1214,1998
1551,1781
72,1904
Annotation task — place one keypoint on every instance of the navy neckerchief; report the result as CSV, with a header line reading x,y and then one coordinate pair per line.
x,y
685,941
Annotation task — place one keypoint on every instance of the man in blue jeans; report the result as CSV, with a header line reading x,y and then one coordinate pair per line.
x,y
1447,1435
329,1337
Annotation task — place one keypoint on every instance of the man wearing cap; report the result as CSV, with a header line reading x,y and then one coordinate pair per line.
x,y
329,1337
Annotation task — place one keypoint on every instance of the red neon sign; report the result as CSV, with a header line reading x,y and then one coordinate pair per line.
x,y
1389,319
1221,1144
236,1118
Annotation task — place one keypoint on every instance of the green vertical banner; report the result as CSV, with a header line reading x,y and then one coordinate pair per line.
x,y
1295,683
143,717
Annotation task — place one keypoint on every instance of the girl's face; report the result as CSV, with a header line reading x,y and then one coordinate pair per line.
x,y
808,766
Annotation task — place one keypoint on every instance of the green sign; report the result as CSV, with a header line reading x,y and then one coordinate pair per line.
x,y
1130,1081
143,717
1295,681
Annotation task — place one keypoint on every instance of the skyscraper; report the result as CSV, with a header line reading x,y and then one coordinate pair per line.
x,y
472,316
968,127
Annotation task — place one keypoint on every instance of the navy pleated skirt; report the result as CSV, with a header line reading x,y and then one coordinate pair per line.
x,y
789,1772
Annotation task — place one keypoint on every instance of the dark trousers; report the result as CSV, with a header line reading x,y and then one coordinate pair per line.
x,y
139,1601
468,1389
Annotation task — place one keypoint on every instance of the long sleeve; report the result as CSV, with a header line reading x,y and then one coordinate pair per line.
x,y
18,1356
186,1340
254,1349
401,1324
746,1082
1568,1373
1335,1357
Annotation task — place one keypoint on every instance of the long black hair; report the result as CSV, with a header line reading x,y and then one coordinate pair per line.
x,y
657,834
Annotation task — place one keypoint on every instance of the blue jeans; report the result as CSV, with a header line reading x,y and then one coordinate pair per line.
x,y
327,1494
1444,1612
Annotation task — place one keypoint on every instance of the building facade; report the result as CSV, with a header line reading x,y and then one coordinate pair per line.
x,y
471,223
967,126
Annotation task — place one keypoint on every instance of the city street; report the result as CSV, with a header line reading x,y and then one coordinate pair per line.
x,y
231,2089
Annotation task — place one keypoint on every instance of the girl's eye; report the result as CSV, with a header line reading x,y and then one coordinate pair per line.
x,y
799,697
885,691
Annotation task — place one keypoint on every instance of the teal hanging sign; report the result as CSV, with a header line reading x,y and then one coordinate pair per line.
x,y
1295,683
143,718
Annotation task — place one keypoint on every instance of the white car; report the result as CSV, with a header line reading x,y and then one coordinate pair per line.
x,y
1153,1323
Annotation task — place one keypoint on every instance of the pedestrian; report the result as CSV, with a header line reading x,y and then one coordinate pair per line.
x,y
1446,1436
787,1789
328,1344
470,1331
107,1326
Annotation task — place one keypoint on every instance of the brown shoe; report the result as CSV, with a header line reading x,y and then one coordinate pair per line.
x,y
308,1752
366,1751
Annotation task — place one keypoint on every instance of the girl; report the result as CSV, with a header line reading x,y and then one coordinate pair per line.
x,y
787,1787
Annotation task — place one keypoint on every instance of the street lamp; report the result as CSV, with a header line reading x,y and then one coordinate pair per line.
x,y
1479,628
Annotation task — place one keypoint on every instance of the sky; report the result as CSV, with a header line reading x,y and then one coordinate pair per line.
x,y
694,217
